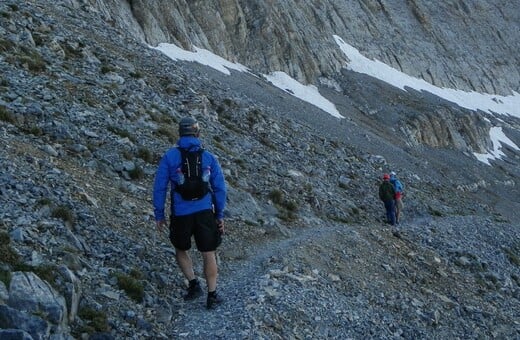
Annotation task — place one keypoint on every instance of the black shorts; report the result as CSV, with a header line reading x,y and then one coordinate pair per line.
x,y
201,225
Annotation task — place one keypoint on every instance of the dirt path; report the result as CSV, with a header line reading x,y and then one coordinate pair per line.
x,y
242,284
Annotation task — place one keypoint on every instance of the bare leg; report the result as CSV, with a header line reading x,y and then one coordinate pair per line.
x,y
184,261
398,206
210,270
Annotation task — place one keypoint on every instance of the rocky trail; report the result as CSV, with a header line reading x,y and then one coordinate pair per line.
x,y
246,284
338,281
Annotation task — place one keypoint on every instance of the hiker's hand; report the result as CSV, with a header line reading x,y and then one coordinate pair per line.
x,y
161,226
220,226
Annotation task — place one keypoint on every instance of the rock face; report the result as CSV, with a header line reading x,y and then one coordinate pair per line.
x,y
442,129
29,293
462,44
457,44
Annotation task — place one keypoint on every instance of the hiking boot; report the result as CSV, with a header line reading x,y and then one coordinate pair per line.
x,y
194,291
213,300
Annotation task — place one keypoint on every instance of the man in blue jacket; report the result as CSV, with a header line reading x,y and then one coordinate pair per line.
x,y
202,218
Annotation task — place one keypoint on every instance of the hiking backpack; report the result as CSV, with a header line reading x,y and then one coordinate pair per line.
x,y
193,186
386,191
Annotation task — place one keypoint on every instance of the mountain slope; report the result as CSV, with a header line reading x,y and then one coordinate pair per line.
x,y
86,111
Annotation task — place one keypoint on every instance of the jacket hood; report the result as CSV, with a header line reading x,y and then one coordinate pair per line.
x,y
189,143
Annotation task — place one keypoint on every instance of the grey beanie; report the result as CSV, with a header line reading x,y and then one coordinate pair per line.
x,y
188,126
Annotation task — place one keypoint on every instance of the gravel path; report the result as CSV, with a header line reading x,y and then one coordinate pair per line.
x,y
360,281
245,286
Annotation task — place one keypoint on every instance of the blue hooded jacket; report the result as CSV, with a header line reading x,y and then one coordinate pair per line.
x,y
166,175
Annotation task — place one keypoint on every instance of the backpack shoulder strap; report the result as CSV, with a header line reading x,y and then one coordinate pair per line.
x,y
183,153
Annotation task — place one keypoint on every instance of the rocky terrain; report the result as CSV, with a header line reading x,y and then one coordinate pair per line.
x,y
86,111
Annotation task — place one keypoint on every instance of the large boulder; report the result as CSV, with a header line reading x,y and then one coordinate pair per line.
x,y
12,319
28,293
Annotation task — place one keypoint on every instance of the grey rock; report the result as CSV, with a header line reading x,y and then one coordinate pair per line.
x,y
101,336
17,235
14,334
50,150
4,293
300,28
11,318
72,292
27,292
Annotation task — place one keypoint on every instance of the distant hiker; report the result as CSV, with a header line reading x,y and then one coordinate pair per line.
x,y
387,194
398,187
198,197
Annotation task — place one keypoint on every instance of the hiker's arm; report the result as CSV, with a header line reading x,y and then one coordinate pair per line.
x,y
161,225
220,226
218,185
160,189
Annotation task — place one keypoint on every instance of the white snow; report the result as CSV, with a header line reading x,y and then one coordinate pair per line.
x,y
307,93
200,56
506,105
281,80
497,138
493,104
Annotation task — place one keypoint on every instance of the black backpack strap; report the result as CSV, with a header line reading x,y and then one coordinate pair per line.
x,y
185,161
185,151
184,155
